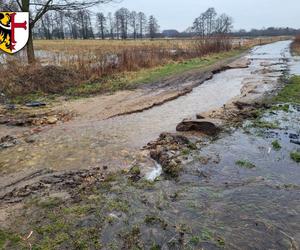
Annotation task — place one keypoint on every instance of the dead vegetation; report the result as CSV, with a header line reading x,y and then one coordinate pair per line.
x,y
65,64
18,79
296,45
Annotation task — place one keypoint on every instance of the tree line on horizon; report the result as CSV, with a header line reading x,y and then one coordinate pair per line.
x,y
83,24
62,19
123,24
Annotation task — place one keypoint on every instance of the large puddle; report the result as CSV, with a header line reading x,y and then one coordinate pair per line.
x,y
81,144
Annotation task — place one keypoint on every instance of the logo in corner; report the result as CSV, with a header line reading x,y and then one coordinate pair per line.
x,y
14,31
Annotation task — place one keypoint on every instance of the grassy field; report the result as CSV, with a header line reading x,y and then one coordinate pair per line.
x,y
77,46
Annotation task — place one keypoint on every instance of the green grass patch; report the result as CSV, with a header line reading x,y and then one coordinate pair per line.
x,y
207,236
282,107
195,240
8,239
78,210
291,92
152,219
265,124
155,74
245,164
295,156
118,205
276,145
186,151
155,247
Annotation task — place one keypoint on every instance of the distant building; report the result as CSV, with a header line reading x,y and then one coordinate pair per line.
x,y
170,33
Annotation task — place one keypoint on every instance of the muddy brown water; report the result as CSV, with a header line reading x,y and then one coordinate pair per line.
x,y
220,205
115,142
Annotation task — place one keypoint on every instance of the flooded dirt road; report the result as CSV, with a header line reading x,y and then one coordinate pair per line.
x,y
115,142
238,191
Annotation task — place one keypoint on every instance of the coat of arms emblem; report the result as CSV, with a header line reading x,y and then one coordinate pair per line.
x,y
14,31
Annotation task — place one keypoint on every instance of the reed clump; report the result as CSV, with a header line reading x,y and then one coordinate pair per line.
x,y
296,45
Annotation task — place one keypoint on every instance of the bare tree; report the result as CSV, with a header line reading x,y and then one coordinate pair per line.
x,y
9,5
72,24
153,27
61,18
101,21
224,24
134,23
122,21
47,25
210,16
209,23
199,25
142,22
85,24
111,24
38,8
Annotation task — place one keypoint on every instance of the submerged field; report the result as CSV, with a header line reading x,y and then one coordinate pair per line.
x,y
81,68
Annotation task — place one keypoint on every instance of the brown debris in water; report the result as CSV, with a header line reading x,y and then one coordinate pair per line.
x,y
34,117
168,151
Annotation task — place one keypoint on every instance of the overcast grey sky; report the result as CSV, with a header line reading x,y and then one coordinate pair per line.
x,y
247,14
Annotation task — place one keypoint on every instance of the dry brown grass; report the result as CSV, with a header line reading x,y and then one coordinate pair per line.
x,y
95,58
89,61
296,45
17,79
77,61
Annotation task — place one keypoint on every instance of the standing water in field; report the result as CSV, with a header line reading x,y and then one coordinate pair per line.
x,y
85,143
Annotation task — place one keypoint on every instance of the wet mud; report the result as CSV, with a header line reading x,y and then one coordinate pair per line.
x,y
236,190
90,141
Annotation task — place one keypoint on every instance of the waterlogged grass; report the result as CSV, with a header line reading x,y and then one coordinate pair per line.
x,y
265,124
129,80
207,236
180,67
276,145
291,92
245,164
295,156
281,107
